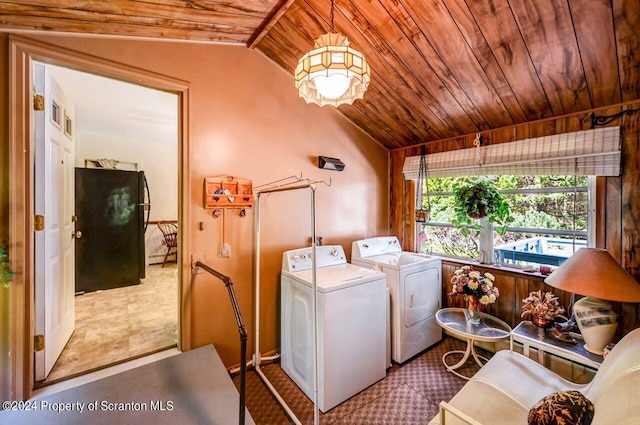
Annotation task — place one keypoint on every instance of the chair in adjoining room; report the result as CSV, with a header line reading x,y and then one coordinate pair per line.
x,y
170,234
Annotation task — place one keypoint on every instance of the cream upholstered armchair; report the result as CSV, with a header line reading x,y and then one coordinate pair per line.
x,y
510,384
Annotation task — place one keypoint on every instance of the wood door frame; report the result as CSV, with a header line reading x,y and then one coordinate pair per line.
x,y
22,53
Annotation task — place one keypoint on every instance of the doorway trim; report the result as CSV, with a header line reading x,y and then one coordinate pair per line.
x,y
22,53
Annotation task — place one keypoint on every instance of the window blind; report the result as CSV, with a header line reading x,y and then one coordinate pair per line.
x,y
593,152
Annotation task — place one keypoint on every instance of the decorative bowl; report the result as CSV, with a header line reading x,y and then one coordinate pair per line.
x,y
541,322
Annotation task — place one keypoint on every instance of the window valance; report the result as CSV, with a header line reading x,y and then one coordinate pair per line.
x,y
593,152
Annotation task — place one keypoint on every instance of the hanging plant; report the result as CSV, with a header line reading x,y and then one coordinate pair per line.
x,y
478,198
423,214
6,274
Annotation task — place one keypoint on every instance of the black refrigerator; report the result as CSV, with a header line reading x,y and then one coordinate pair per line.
x,y
110,216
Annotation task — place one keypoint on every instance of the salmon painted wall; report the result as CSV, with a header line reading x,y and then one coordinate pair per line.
x,y
247,121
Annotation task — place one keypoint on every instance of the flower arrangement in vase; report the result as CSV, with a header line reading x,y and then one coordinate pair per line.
x,y
477,288
542,308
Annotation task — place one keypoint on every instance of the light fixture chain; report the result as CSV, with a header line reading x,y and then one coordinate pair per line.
x,y
332,7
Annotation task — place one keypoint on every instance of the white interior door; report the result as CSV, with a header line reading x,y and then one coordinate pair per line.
x,y
54,199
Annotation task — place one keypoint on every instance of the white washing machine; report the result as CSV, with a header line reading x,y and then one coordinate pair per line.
x,y
415,283
351,304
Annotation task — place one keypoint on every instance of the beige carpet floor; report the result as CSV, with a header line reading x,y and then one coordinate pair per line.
x,y
122,323
409,394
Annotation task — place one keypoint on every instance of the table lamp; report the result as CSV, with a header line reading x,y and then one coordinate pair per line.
x,y
594,273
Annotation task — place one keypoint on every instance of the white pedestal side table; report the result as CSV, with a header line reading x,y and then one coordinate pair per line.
x,y
490,329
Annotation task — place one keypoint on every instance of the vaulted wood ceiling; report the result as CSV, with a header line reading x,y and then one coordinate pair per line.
x,y
440,68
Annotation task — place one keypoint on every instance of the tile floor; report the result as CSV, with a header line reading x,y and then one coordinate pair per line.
x,y
122,323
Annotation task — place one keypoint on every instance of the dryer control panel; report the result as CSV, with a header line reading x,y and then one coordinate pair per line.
x,y
375,246
302,259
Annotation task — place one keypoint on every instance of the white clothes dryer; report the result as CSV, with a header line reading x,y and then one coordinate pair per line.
x,y
351,308
415,283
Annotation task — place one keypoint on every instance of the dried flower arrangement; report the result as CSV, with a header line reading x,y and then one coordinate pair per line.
x,y
542,305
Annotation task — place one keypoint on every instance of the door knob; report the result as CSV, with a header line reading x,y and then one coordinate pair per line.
x,y
76,235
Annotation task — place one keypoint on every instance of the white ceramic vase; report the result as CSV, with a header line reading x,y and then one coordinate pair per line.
x,y
597,322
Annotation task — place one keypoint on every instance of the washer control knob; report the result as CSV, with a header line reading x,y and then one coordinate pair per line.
x,y
334,252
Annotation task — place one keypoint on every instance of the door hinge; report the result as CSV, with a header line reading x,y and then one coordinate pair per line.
x,y
38,343
38,102
38,222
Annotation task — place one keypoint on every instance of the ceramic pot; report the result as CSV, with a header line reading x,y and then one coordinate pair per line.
x,y
480,214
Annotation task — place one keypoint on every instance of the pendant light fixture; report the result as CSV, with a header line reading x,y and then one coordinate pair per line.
x,y
332,73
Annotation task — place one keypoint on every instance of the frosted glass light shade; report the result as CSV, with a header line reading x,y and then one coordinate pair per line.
x,y
333,86
332,73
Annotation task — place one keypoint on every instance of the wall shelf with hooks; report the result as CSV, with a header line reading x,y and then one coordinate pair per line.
x,y
228,192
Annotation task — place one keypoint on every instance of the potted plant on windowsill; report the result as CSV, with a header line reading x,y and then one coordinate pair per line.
x,y
479,199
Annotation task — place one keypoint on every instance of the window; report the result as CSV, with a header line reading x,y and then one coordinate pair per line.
x,y
547,181
551,221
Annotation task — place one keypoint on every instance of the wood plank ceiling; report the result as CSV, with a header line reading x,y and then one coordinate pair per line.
x,y
440,68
